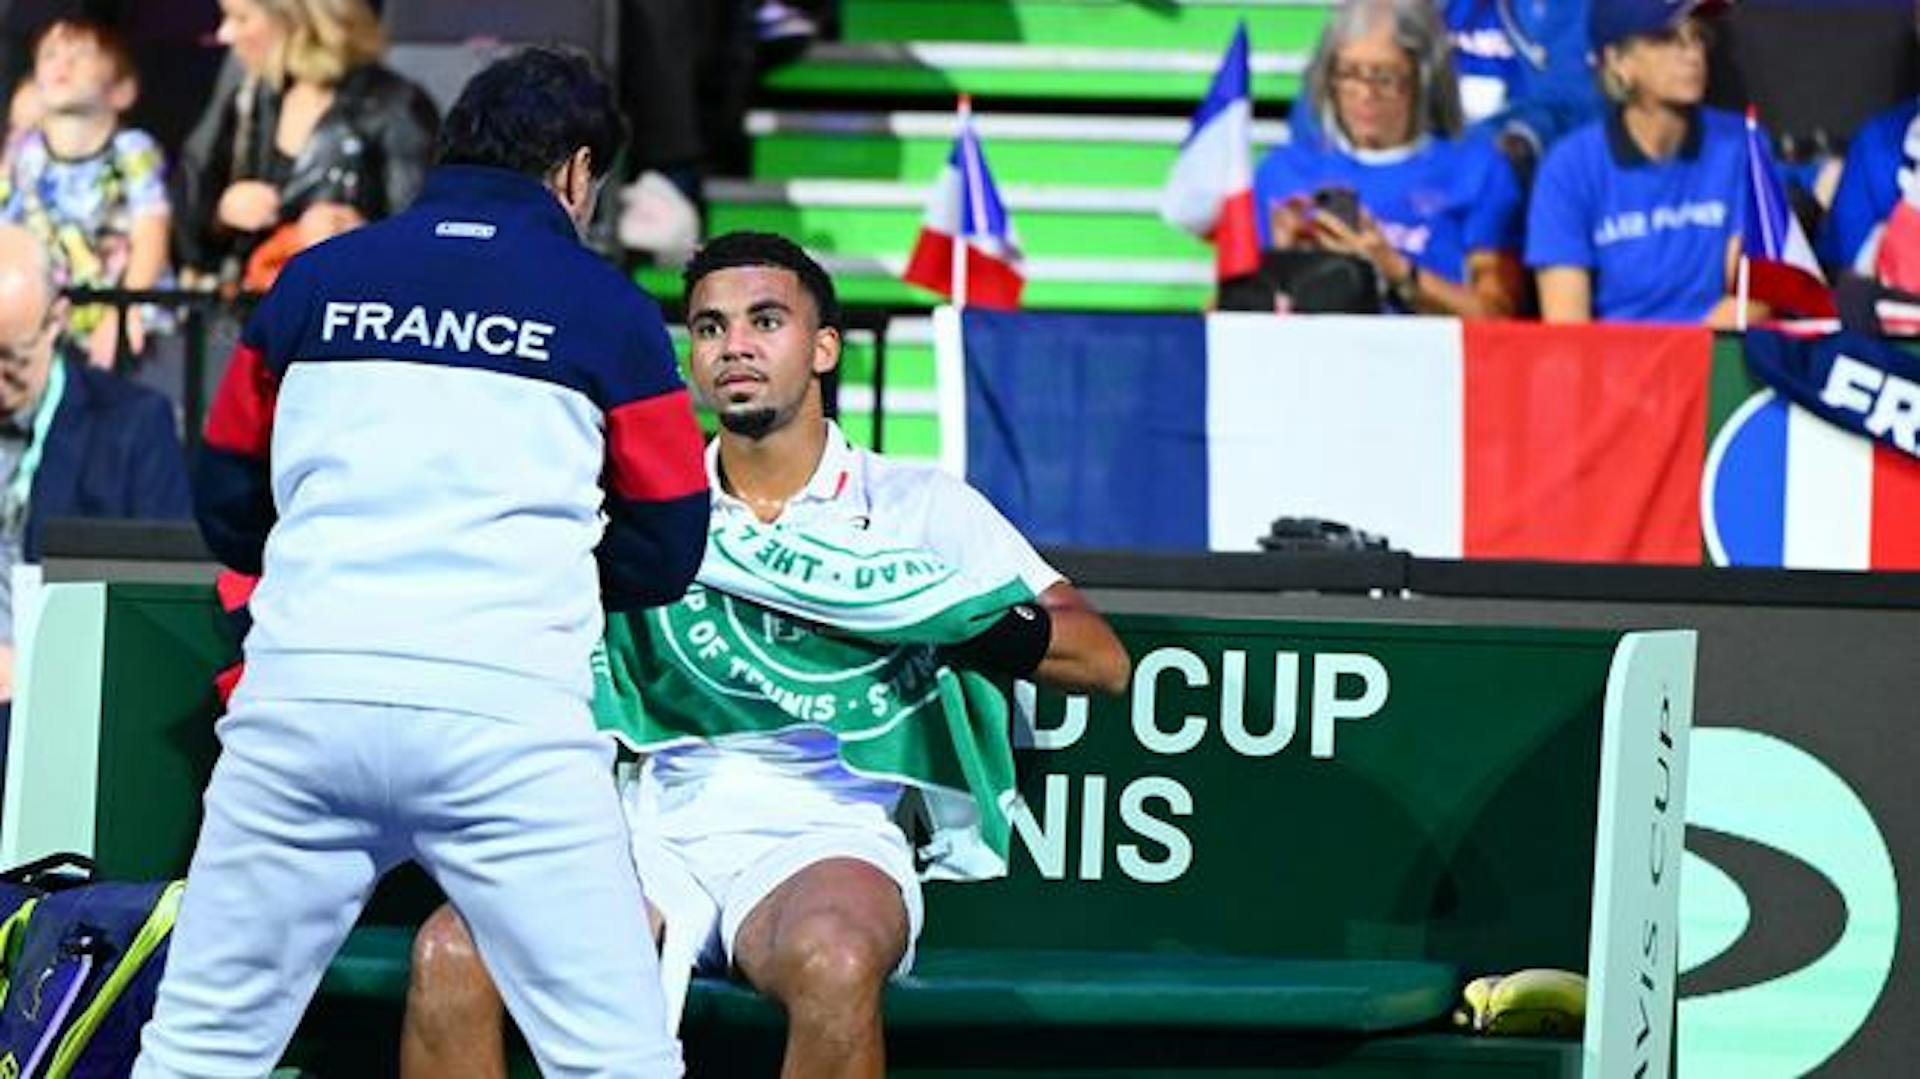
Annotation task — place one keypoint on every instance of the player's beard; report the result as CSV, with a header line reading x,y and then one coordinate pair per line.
x,y
753,423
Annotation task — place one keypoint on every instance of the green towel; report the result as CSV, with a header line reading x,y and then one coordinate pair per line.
x,y
837,630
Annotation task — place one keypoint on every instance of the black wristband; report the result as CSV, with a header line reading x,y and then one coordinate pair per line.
x,y
1015,644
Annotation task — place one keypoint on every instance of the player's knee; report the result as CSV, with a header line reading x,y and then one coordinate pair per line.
x,y
830,956
448,974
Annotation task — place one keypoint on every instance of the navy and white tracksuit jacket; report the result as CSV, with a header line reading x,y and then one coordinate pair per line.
x,y
445,465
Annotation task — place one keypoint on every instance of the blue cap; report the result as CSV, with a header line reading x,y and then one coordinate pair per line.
x,y
1610,22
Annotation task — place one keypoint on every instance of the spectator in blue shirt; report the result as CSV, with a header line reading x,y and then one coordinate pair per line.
x,y
1636,217
1523,66
1438,217
1873,227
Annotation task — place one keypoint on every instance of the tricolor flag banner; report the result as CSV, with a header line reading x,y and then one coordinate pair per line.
x,y
1783,272
1820,472
1475,439
967,251
1210,192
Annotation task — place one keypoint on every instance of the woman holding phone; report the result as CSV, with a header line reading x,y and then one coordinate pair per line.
x,y
1386,177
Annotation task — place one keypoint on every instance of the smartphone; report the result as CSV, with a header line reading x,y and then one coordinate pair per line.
x,y
1341,202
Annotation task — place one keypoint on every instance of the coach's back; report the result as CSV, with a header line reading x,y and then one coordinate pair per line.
x,y
442,403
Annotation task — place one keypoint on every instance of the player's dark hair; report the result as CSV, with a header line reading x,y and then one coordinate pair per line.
x,y
736,249
529,112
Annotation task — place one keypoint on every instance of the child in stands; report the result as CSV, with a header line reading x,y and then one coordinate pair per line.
x,y
93,190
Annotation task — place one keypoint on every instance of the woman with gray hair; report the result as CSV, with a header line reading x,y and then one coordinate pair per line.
x,y
1385,176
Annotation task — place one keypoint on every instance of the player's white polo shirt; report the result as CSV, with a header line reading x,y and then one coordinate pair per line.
x,y
797,774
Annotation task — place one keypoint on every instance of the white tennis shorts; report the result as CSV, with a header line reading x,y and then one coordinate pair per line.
x,y
710,855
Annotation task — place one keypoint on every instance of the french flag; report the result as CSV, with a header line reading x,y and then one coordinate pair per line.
x,y
1783,272
1210,193
966,215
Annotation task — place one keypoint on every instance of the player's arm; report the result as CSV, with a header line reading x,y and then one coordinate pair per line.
x,y
1083,654
1059,639
657,503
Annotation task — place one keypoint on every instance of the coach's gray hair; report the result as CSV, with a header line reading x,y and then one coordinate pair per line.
x,y
1418,30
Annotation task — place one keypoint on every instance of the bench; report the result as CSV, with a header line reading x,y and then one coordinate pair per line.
x,y
1039,1011
1278,855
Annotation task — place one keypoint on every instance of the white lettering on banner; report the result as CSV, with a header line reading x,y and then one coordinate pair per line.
x,y
1889,406
1908,174
1851,384
1027,732
367,321
1327,707
1045,837
1146,692
1233,702
1093,828
1346,687
1133,813
1653,971
1639,224
1896,414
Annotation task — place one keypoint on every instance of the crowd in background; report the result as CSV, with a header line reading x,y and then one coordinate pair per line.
x,y
1487,158
1480,158
1502,157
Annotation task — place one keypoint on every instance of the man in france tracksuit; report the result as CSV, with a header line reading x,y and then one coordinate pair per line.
x,y
445,441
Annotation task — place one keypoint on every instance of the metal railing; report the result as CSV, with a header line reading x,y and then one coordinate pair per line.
x,y
195,309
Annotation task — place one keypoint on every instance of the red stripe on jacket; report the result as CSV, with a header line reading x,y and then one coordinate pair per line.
x,y
241,419
654,449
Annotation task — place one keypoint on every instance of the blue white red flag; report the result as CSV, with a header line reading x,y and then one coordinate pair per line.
x,y
1210,193
1783,273
965,215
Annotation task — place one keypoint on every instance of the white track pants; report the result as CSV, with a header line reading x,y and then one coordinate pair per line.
x,y
518,822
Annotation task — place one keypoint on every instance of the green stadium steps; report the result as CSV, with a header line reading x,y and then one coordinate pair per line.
x,y
912,147
944,69
863,217
1292,25
1052,284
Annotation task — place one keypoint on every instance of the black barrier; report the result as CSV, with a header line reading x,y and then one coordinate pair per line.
x,y
195,307
1797,949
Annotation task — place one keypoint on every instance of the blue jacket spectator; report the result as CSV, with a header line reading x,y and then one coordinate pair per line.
x,y
74,441
1637,217
112,451
1438,216
1523,66
1883,165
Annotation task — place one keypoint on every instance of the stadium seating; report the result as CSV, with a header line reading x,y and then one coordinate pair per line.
x,y
1082,106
